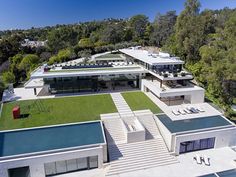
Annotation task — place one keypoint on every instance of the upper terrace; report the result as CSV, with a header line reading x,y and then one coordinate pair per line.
x,y
152,59
85,70
161,65
170,89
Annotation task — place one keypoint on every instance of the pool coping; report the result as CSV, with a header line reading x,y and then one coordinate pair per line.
x,y
231,125
10,157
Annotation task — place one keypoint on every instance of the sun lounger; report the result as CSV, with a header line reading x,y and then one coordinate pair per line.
x,y
187,111
198,159
182,111
192,109
200,109
175,112
206,160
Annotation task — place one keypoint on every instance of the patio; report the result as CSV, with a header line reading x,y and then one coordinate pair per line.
x,y
220,160
207,108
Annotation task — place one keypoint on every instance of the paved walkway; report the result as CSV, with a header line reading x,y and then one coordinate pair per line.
x,y
121,105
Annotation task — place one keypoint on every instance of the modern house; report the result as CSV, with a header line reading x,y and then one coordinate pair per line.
x,y
133,68
128,140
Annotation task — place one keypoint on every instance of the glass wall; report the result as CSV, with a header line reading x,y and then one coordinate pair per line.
x,y
196,145
169,68
91,83
71,165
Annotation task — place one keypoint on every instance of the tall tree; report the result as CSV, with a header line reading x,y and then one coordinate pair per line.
x,y
138,24
163,27
189,32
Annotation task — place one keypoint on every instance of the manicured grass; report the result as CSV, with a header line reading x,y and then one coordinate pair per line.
x,y
56,111
110,55
94,69
139,101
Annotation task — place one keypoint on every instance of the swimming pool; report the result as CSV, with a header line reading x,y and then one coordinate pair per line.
x,y
227,173
193,124
50,138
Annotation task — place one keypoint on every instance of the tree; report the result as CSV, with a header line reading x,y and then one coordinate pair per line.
x,y
61,37
138,24
66,54
29,62
86,54
85,43
163,28
189,32
113,33
8,77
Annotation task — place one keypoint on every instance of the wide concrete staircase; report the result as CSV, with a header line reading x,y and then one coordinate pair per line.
x,y
148,122
121,105
137,156
114,131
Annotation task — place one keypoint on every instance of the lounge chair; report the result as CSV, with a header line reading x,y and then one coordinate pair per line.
x,y
182,111
187,111
206,160
198,159
175,112
200,109
193,110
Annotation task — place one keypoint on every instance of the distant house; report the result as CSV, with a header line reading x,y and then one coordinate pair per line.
x,y
32,44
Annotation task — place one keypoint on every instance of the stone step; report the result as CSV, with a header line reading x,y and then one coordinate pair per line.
x,y
135,149
145,159
139,167
135,155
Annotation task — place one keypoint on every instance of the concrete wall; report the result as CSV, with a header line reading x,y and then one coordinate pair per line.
x,y
223,138
192,95
166,134
36,163
133,136
197,97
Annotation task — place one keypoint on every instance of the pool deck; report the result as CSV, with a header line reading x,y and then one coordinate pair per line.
x,y
208,109
186,168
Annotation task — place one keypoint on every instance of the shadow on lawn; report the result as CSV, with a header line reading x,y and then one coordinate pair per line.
x,y
23,116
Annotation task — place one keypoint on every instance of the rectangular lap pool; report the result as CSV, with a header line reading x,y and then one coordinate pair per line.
x,y
193,124
50,138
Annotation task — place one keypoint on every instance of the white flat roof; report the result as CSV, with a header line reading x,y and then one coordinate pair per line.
x,y
134,69
143,55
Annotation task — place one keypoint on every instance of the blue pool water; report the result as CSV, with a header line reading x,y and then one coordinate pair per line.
x,y
192,124
228,173
50,138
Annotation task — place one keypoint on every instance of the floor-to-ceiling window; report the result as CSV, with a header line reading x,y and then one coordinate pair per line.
x,y
189,146
92,83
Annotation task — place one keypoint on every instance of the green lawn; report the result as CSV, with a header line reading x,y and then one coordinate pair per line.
x,y
110,55
93,69
139,101
57,111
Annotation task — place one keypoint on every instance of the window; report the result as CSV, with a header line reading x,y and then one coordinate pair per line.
x,y
61,166
71,165
195,145
82,163
50,168
65,166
